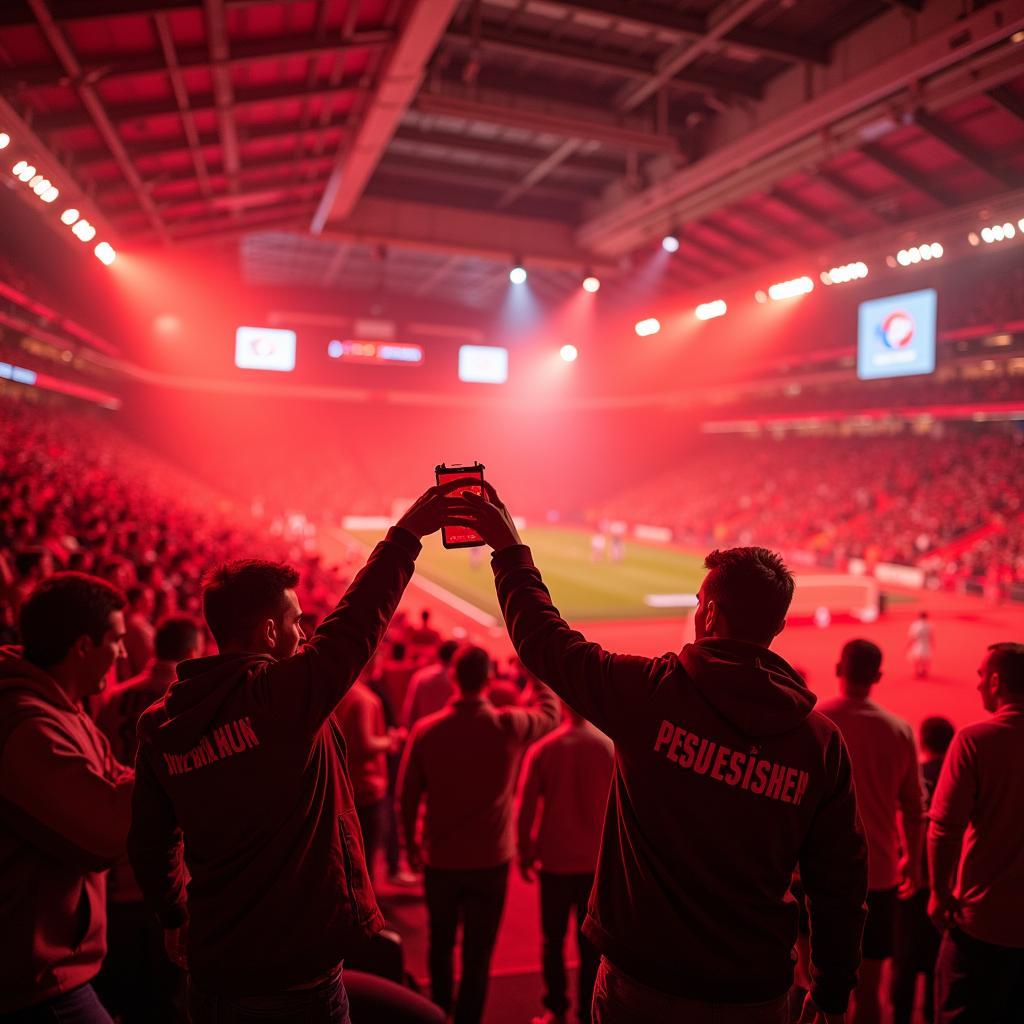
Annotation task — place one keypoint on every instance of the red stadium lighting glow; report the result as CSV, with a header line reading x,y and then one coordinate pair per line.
x,y
84,231
105,253
844,274
5,140
517,275
645,328
999,233
50,195
670,243
790,289
760,296
710,310
27,171
591,284
569,353
69,216
919,253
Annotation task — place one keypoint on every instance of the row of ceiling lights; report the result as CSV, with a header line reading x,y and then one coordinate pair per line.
x,y
81,228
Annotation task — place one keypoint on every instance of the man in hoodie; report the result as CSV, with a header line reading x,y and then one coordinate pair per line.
x,y
64,801
244,759
725,781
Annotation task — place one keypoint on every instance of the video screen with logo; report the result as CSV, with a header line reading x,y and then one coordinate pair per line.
x,y
264,348
896,335
483,364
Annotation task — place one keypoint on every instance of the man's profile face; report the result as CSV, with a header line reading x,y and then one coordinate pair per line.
x,y
98,659
289,629
988,684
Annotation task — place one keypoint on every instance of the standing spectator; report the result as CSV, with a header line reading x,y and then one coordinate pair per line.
x,y
64,800
464,761
976,854
360,716
568,774
890,800
140,635
917,941
431,687
241,781
394,673
424,635
921,645
725,780
138,982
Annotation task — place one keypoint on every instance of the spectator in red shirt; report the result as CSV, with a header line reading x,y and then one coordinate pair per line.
x,y
567,775
463,761
424,635
976,854
431,687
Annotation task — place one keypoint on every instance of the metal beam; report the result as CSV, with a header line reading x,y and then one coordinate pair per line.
x,y
197,59
397,83
953,140
589,58
91,101
83,10
805,210
557,119
681,24
223,90
426,227
864,200
436,276
538,172
1008,100
902,170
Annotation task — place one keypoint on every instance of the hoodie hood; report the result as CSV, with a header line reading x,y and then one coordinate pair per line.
x,y
191,705
35,683
751,687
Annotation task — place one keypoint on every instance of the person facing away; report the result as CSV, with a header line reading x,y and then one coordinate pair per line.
x,y
725,780
243,761
916,943
891,804
976,854
566,779
431,687
138,982
64,800
462,762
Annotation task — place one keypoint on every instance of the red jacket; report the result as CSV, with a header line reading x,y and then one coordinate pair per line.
x,y
725,781
244,758
64,810
360,716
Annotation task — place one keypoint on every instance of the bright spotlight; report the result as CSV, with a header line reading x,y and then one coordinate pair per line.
x,y
591,284
69,216
790,289
34,180
1020,224
27,172
569,353
670,243
1009,231
937,251
760,296
5,140
903,258
973,238
18,168
645,328
50,194
335,348
105,253
710,310
84,231
517,275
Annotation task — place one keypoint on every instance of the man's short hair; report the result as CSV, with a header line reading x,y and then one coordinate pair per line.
x,y
1008,660
134,594
752,587
861,661
472,668
446,651
177,637
937,734
63,608
238,596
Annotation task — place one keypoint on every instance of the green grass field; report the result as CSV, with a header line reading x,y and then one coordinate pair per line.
x,y
581,589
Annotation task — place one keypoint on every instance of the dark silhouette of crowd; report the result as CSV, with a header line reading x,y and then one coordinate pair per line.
x,y
215,749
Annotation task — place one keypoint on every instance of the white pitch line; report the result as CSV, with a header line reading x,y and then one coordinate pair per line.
x,y
436,590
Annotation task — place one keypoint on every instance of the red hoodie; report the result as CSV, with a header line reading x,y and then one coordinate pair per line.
x,y
64,809
244,758
725,781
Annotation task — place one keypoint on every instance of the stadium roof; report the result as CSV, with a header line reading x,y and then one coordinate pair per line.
x,y
423,145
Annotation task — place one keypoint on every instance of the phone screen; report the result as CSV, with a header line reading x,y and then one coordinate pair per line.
x,y
461,536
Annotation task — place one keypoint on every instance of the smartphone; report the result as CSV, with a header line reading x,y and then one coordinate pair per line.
x,y
461,536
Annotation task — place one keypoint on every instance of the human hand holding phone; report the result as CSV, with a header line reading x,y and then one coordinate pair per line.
x,y
460,480
488,515
429,512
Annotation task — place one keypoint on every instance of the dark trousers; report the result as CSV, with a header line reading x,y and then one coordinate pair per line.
x,y
372,821
138,982
392,840
79,1006
323,1004
977,982
914,952
561,895
476,897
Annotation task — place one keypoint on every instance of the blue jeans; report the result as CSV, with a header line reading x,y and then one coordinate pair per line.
x,y
79,1006
324,1004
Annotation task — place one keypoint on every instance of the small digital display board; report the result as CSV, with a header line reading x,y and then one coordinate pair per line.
x,y
483,364
376,353
896,335
264,348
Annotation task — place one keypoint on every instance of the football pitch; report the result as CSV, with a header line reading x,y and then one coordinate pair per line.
x,y
582,589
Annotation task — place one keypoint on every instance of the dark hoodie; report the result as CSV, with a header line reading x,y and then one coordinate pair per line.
x,y
725,781
243,757
64,808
